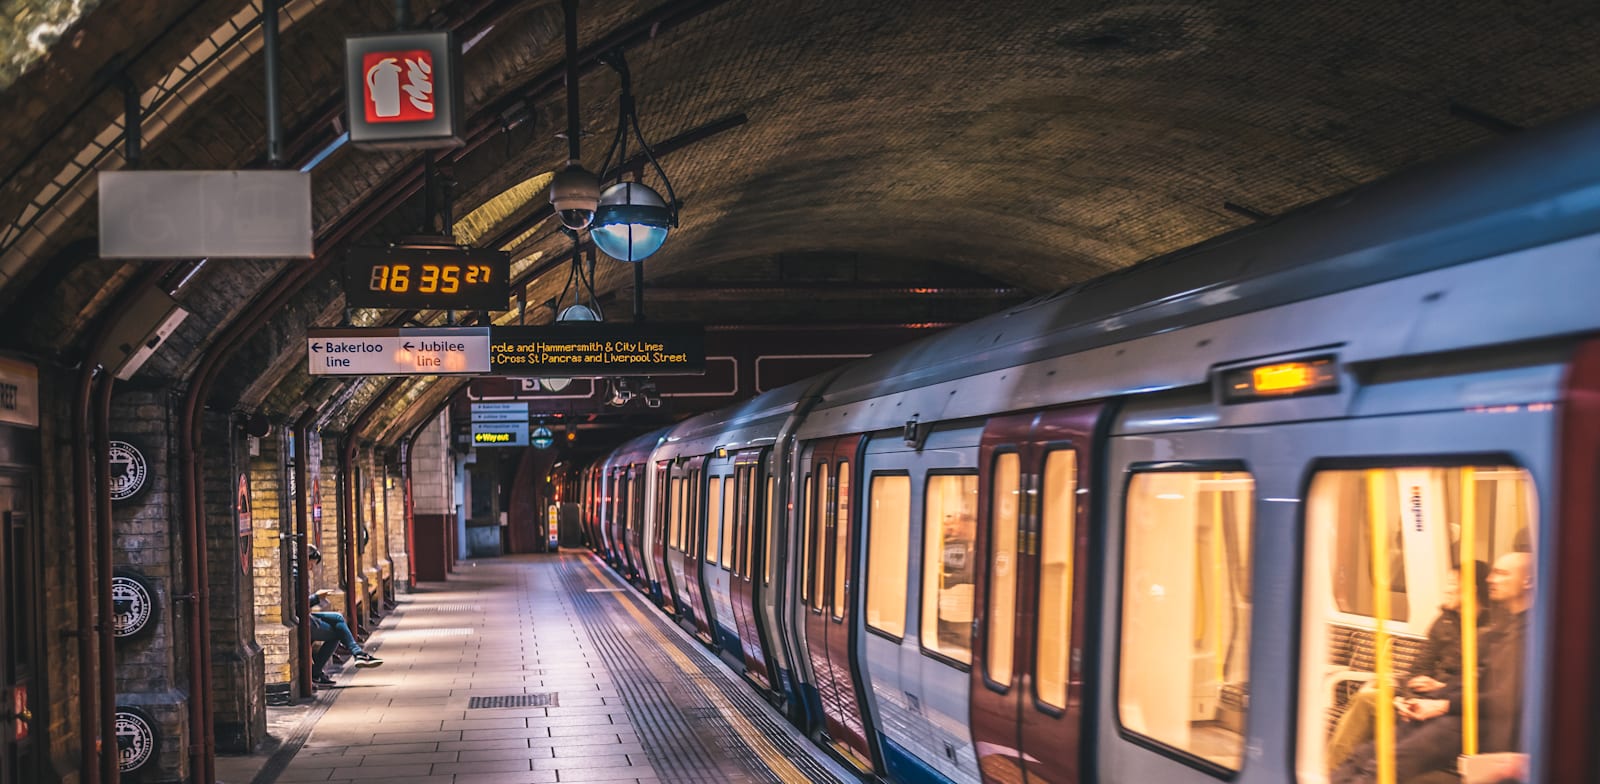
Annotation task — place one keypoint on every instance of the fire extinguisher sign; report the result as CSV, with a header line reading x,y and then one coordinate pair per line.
x,y
403,89
398,86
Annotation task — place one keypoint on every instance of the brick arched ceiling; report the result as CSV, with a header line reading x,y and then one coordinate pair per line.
x,y
1022,145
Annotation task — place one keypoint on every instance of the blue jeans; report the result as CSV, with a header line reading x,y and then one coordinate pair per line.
x,y
330,628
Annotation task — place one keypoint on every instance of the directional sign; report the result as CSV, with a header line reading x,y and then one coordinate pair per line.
x,y
500,433
597,349
500,412
390,351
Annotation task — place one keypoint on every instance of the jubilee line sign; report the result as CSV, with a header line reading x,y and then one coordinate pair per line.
x,y
397,351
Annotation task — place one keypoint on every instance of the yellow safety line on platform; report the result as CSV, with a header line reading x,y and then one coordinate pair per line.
x,y
775,760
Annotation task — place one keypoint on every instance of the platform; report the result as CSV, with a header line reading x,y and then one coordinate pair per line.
x,y
534,669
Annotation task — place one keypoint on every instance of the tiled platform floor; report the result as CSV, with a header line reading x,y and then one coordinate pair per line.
x,y
511,627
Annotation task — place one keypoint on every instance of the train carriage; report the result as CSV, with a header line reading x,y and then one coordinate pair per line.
x,y
1191,520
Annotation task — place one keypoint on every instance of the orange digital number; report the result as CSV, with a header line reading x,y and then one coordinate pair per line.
x,y
451,276
430,279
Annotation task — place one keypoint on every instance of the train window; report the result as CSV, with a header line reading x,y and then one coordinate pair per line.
x,y
1184,679
767,543
841,544
674,513
728,509
948,536
819,538
888,541
1058,533
1461,536
1000,623
713,518
807,558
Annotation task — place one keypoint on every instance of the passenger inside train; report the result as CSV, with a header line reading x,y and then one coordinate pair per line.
x,y
1367,624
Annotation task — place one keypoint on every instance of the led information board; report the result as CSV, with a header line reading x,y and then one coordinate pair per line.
x,y
598,349
397,351
418,278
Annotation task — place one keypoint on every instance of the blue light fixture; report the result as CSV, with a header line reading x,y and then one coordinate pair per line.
x,y
631,222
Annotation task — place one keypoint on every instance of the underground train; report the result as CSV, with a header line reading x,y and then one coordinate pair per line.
x,y
1170,524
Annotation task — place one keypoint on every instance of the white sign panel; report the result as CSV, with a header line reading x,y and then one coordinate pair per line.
x,y
205,214
382,351
499,412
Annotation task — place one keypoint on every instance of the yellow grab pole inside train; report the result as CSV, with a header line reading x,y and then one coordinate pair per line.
x,y
1377,520
1219,578
1469,611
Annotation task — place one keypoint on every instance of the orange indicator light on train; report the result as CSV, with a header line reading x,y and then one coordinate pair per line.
x,y
1314,376
1286,378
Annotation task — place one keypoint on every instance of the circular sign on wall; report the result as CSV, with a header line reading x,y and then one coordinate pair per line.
x,y
128,470
133,605
137,740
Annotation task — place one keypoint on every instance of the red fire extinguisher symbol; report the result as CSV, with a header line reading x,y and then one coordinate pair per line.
x,y
398,86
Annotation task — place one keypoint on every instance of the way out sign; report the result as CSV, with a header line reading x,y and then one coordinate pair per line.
x,y
403,89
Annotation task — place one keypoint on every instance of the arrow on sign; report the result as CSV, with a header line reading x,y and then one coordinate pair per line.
x,y
316,347
407,346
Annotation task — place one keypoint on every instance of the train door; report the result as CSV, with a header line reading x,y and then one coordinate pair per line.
x,y
662,536
1027,702
830,619
747,481
624,524
716,569
693,562
637,476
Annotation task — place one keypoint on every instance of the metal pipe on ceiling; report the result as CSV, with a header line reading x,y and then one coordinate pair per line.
x,y
83,554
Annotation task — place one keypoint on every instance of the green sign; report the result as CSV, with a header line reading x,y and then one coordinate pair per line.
x,y
598,349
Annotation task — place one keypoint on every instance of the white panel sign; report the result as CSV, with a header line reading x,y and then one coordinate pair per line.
x,y
205,214
499,412
382,351
19,393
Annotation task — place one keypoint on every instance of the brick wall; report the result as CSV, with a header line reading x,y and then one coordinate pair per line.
x,y
152,671
238,691
395,525
272,520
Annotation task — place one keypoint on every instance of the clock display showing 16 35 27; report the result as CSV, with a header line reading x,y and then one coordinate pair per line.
x,y
443,278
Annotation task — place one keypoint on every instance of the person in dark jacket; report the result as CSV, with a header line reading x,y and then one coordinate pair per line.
x,y
331,629
1437,670
1430,738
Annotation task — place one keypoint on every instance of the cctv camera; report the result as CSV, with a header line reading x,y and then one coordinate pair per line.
x,y
575,193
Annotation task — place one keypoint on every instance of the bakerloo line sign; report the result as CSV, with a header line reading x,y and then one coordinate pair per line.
x,y
588,349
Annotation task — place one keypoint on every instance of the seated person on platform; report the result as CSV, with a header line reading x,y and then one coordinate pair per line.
x,y
1430,737
330,629
1438,668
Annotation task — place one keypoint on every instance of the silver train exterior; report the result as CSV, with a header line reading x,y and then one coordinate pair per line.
x,y
1126,532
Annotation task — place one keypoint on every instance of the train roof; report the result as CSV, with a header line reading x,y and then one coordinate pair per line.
x,y
1539,187
749,423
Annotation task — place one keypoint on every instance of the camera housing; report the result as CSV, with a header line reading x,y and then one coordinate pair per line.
x,y
575,193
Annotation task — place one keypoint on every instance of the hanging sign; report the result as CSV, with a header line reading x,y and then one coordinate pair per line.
x,y
403,89
19,393
138,742
444,278
133,605
500,433
500,412
598,349
397,351
128,470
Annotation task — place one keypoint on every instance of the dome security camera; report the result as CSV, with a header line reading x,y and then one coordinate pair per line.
x,y
575,193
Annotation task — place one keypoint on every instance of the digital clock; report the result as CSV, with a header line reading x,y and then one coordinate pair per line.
x,y
442,278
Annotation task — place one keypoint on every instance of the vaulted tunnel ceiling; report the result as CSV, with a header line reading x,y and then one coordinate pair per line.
x,y
1001,146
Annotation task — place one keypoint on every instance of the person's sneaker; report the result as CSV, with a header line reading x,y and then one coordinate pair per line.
x,y
321,679
364,659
